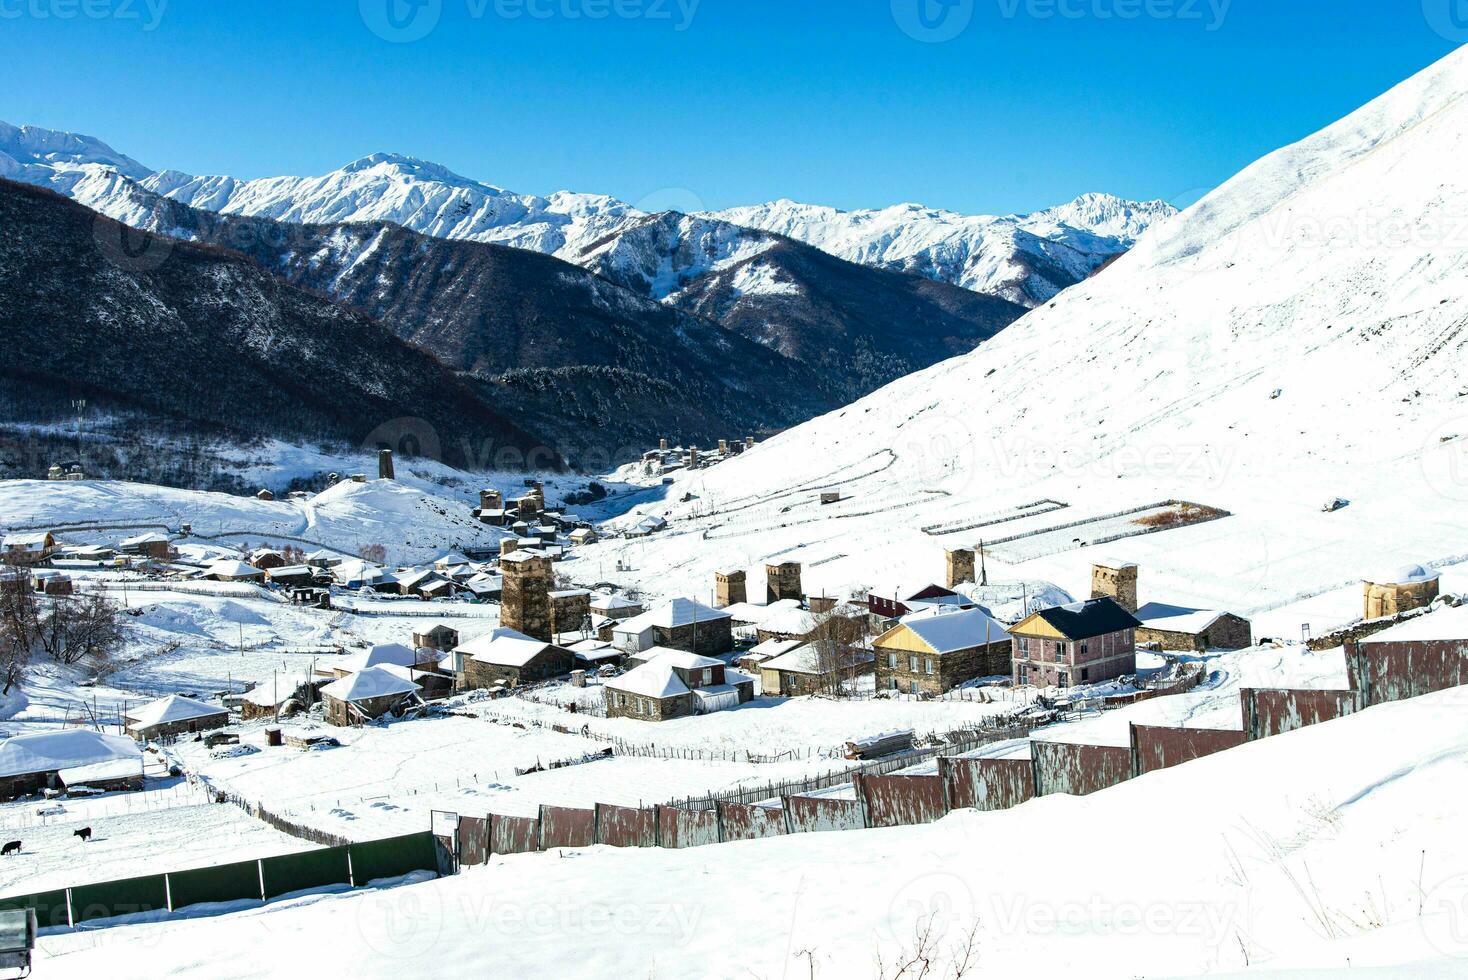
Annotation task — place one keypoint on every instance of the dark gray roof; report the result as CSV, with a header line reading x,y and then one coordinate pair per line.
x,y
1094,617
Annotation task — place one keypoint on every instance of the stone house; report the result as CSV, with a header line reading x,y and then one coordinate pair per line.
x,y
28,547
154,545
438,637
1402,590
291,576
570,611
368,695
266,558
782,581
529,579
170,717
507,657
1080,643
55,760
616,606
676,684
228,570
683,624
812,668
936,651
1183,630
396,655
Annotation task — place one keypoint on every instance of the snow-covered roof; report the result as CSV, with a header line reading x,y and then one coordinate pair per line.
x,y
503,647
517,557
374,682
678,658
47,751
569,593
753,612
152,537
99,771
774,648
230,568
381,655
26,540
795,622
671,615
801,660
615,601
173,708
946,631
1404,575
1177,619
288,571
651,680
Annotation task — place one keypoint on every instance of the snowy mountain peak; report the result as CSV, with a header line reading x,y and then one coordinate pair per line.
x,y
401,167
35,149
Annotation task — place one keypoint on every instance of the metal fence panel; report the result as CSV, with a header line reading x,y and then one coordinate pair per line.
x,y
225,883
624,826
902,801
473,841
1079,770
816,814
513,835
563,826
126,897
1162,748
748,821
305,870
988,784
1275,712
393,857
678,827
52,908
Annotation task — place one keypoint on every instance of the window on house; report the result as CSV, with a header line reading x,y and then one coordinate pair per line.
x,y
912,664
1084,648
1085,673
927,665
1059,652
1063,680
1024,674
892,661
913,687
1024,645
893,683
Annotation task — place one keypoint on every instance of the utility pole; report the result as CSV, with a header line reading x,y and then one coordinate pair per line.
x,y
983,566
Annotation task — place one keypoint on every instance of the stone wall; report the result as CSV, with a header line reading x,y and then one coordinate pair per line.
x,y
708,639
949,669
1230,632
1392,600
620,705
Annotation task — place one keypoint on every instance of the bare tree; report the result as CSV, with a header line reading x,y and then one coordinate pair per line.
x,y
13,661
82,628
374,553
840,643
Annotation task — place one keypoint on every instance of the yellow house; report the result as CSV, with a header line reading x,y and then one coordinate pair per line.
x,y
935,651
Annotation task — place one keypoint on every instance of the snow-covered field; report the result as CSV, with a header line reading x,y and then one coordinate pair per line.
x,y
1333,848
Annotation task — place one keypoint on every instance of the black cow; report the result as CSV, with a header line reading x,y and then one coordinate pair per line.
x,y
12,848
85,834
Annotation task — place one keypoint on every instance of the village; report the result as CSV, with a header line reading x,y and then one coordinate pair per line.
x,y
274,698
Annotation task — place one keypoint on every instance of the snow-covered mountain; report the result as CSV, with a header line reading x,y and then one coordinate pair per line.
x,y
1024,259
1297,336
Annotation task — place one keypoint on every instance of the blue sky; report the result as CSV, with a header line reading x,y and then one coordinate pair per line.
x,y
855,103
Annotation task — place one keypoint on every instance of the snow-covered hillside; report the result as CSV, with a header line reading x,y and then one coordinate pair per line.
x,y
1295,337
1337,848
1025,259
